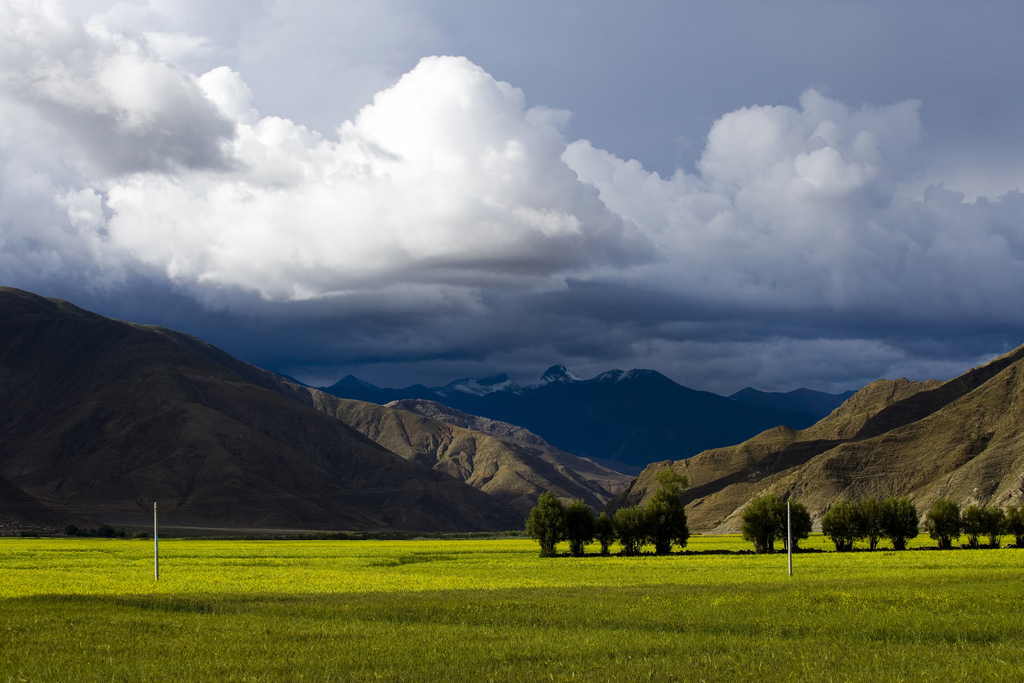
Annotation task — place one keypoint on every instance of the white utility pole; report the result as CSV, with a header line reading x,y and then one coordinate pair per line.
x,y
789,538
156,547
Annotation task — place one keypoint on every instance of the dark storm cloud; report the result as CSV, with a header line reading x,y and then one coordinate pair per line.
x,y
451,228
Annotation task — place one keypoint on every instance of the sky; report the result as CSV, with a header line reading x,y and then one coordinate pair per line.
x,y
776,195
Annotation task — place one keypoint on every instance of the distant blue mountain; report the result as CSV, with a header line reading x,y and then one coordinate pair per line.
x,y
355,388
799,400
635,417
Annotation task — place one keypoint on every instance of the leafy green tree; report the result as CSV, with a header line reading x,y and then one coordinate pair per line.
x,y
899,521
546,523
71,530
995,525
844,524
972,523
1015,525
872,516
762,519
666,518
579,526
604,530
943,522
800,519
631,528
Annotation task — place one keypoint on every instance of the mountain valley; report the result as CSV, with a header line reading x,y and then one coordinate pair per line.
x,y
623,420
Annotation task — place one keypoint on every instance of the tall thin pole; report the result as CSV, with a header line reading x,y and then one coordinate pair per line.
x,y
156,547
789,538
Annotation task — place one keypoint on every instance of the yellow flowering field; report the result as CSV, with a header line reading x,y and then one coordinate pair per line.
x,y
89,566
81,609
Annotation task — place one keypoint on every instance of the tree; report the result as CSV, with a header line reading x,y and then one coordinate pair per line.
x,y
631,528
899,521
844,524
972,523
71,530
1015,525
546,523
800,519
995,525
579,526
666,517
762,519
604,530
943,522
871,514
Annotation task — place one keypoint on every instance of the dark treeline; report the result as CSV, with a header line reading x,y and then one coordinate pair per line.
x,y
945,523
873,520
896,519
766,520
103,531
662,522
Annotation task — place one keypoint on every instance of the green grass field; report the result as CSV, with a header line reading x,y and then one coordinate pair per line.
x,y
89,610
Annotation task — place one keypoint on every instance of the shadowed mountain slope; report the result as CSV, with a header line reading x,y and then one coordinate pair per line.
x,y
961,439
634,417
513,473
99,418
602,479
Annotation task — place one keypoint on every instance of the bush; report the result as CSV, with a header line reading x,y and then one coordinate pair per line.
x,y
844,524
604,530
631,528
579,526
141,534
872,516
71,530
762,519
1014,525
899,521
666,518
106,531
546,523
943,522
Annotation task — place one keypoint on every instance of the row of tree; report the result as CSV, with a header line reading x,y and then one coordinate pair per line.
x,y
104,531
662,522
945,522
872,519
766,519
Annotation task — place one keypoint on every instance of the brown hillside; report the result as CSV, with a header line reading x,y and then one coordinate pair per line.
x,y
604,481
512,473
968,448
99,418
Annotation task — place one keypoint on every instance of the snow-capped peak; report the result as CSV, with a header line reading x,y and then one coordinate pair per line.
x,y
480,387
609,376
558,373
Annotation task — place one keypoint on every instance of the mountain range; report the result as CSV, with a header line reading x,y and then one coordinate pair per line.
x,y
624,420
808,401
101,417
961,439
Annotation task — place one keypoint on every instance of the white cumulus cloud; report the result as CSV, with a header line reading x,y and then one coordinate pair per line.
x,y
459,219
796,209
447,178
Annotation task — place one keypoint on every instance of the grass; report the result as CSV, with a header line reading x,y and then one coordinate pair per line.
x,y
88,610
